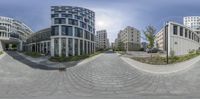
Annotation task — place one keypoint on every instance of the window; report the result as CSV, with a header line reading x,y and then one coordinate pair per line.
x,y
192,36
175,30
60,21
189,34
186,33
78,32
63,42
87,35
54,30
54,15
73,22
70,46
81,47
181,31
67,30
83,25
76,46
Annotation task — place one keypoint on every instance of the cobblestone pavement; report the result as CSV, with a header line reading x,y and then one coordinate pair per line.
x,y
107,76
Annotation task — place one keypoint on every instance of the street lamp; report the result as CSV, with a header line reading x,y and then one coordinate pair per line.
x,y
166,41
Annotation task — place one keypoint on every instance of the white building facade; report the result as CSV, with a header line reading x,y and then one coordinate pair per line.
x,y
13,32
178,39
192,22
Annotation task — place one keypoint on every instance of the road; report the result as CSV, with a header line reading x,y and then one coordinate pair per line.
x,y
107,77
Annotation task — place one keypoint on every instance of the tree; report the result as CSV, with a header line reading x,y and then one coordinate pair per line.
x,y
150,35
121,46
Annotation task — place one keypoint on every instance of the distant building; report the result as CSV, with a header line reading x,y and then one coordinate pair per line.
x,y
192,22
130,36
160,39
102,42
144,45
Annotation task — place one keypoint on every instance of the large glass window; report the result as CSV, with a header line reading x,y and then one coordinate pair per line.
x,y
54,15
70,46
87,35
83,25
85,45
92,37
189,34
186,33
76,46
81,47
67,30
78,32
175,29
63,45
72,22
59,21
54,30
181,31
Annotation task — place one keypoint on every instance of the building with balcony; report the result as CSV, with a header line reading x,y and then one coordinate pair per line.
x,y
13,32
102,41
72,32
130,37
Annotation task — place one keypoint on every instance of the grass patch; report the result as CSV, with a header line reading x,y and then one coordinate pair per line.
x,y
1,52
73,58
157,60
33,54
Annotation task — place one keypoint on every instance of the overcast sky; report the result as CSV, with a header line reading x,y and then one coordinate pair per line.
x,y
112,15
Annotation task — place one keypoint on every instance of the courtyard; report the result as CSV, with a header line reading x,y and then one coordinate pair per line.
x,y
105,76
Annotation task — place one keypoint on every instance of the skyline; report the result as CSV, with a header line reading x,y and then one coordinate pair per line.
x,y
110,15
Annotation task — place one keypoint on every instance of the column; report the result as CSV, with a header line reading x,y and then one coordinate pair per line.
x,y
73,42
79,47
60,47
67,48
52,47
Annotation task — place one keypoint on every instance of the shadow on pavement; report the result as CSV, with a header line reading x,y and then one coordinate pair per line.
x,y
109,52
27,62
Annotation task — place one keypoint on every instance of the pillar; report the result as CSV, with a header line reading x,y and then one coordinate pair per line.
x,y
60,47
52,47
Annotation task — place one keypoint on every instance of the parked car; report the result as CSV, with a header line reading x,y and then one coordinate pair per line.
x,y
153,50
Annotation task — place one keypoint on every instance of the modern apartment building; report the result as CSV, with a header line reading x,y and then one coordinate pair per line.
x,y
192,22
130,37
13,32
102,40
160,40
178,39
72,32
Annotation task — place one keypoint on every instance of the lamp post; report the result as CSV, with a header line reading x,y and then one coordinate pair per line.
x,y
166,41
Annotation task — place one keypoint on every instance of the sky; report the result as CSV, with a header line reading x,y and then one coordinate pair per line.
x,y
112,15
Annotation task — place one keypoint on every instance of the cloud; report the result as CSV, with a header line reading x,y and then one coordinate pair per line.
x,y
111,20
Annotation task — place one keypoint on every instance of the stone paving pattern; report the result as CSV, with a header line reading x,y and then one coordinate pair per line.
x,y
107,76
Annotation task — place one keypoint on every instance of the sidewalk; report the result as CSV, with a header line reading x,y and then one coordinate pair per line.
x,y
44,60
162,69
